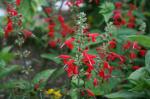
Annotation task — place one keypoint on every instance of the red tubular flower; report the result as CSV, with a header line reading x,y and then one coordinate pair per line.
x,y
69,72
111,57
75,70
27,33
64,56
95,82
51,29
129,13
69,42
48,10
132,6
18,2
112,44
132,55
131,25
97,1
142,52
88,58
106,65
8,28
82,93
90,67
69,3
90,93
135,67
118,5
88,75
102,73
61,19
52,44
71,68
12,12
78,2
136,46
93,36
66,29
117,15
36,86
127,45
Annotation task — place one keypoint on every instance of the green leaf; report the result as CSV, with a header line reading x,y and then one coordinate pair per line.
x,y
141,39
125,32
5,54
136,75
21,84
6,49
42,77
2,64
27,8
123,95
1,32
52,57
57,73
107,10
9,70
77,82
74,94
147,59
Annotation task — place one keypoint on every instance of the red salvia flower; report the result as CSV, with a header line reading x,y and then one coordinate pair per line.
x,y
52,44
78,2
106,65
112,44
61,19
130,13
142,52
93,36
75,70
88,75
82,93
136,46
90,93
131,25
132,6
69,3
132,55
27,33
68,43
135,67
127,45
51,29
48,10
102,73
64,56
72,68
97,1
95,82
8,28
65,30
117,15
36,86
88,57
12,11
118,5
18,2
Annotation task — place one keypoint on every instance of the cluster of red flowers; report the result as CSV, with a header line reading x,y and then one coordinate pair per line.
x,y
13,14
65,29
79,2
118,18
71,68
